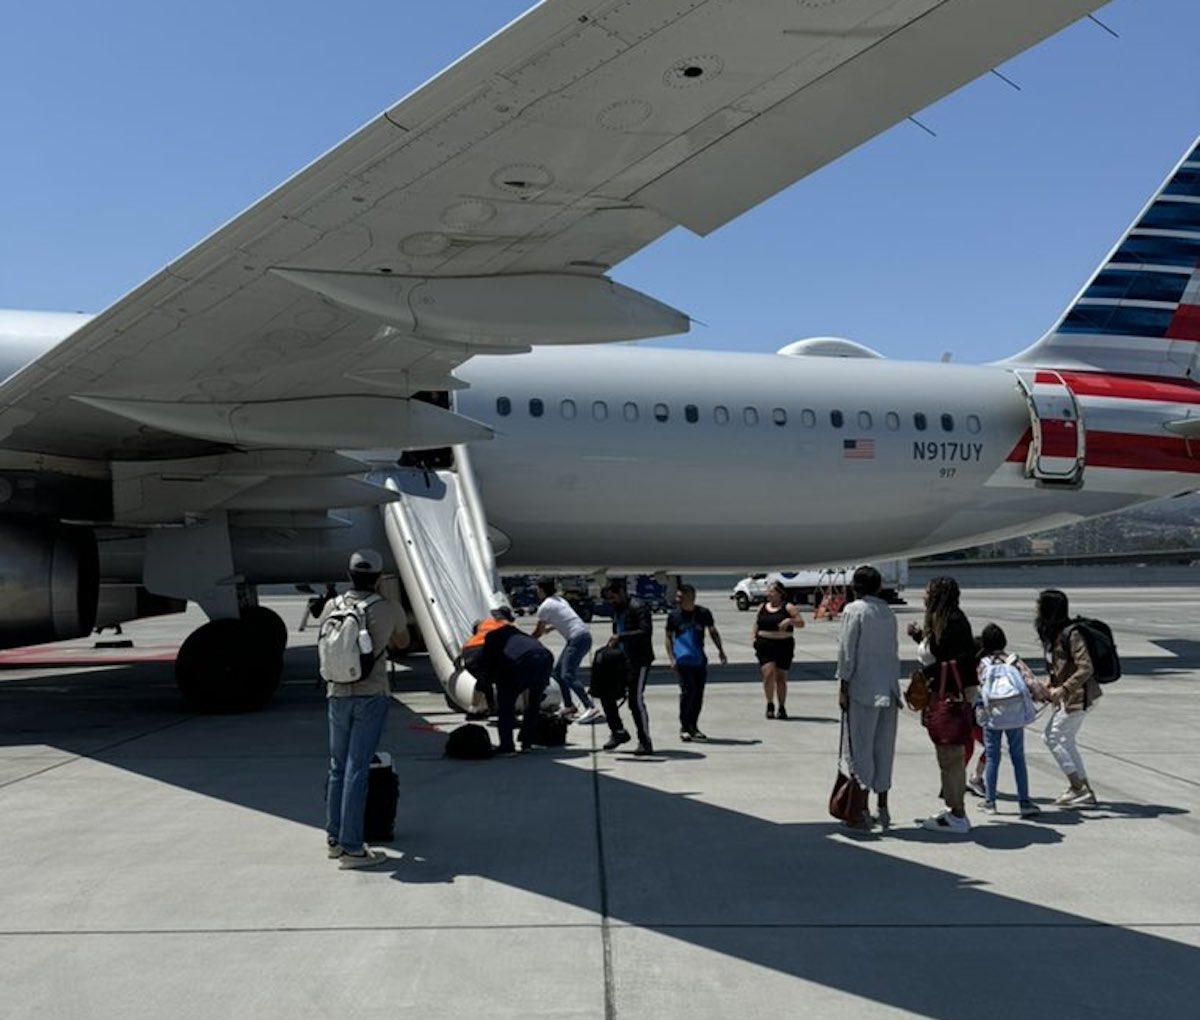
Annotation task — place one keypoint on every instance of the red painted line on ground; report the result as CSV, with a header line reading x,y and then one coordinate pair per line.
x,y
46,656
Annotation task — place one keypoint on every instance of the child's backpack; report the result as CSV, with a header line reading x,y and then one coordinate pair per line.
x,y
686,644
1102,649
344,645
1005,701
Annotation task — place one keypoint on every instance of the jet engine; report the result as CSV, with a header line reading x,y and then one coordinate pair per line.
x,y
49,582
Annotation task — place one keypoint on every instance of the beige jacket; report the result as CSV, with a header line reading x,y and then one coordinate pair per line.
x,y
1073,672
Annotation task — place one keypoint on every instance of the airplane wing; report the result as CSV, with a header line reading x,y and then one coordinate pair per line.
x,y
481,214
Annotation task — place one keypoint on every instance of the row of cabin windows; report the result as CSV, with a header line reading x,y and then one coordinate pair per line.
x,y
750,416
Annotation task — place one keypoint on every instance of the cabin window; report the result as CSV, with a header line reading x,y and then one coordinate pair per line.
x,y
661,412
631,411
721,414
947,423
892,421
536,407
599,410
919,422
973,425
567,409
864,420
837,419
779,416
503,407
808,418
691,413
750,416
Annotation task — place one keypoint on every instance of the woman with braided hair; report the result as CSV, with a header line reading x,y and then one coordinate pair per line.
x,y
947,644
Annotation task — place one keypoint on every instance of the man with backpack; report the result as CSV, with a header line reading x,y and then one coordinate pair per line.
x,y
1080,655
686,624
353,636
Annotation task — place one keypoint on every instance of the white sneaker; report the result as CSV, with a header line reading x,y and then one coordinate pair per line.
x,y
361,860
589,716
948,823
1083,799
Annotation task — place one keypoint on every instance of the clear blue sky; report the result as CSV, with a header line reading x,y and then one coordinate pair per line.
x,y
134,128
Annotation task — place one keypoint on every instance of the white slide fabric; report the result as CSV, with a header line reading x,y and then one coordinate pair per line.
x,y
438,536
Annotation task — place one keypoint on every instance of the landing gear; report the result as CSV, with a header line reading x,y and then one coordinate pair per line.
x,y
232,665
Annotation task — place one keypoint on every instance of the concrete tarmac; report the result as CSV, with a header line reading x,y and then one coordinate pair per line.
x,y
161,864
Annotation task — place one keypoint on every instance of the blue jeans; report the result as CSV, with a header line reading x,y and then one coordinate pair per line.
x,y
566,670
355,726
1016,752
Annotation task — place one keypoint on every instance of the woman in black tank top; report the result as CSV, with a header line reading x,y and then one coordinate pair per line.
x,y
774,646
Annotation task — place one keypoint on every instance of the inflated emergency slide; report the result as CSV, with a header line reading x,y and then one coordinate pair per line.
x,y
438,535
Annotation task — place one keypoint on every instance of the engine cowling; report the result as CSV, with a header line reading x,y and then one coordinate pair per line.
x,y
49,582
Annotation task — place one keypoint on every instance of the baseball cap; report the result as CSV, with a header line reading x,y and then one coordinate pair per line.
x,y
366,561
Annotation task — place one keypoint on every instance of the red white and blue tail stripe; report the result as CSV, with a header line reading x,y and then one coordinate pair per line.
x,y
1140,313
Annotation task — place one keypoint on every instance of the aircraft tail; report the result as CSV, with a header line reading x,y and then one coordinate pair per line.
x,y
1140,313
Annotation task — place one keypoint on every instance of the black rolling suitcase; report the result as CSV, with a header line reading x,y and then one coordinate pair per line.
x,y
383,790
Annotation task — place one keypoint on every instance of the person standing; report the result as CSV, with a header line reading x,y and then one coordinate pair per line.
x,y
992,644
686,624
632,632
1073,692
868,672
555,613
357,713
515,663
775,646
948,648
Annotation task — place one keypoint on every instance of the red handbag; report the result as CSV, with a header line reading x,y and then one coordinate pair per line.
x,y
848,801
949,719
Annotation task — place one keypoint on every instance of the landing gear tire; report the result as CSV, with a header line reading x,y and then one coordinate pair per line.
x,y
229,665
742,601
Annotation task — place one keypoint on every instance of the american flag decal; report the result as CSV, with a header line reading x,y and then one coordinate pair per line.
x,y
858,449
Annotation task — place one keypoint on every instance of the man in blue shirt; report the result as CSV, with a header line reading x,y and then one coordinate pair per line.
x,y
686,624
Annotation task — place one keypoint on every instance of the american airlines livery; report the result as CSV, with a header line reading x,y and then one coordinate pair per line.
x,y
386,350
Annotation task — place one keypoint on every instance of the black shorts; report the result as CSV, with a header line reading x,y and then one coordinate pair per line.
x,y
777,651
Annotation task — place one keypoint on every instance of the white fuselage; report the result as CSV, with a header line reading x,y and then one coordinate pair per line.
x,y
593,483
685,460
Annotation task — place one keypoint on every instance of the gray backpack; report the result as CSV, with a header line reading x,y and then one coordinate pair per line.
x,y
344,645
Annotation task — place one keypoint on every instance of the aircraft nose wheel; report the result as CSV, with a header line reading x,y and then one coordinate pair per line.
x,y
232,665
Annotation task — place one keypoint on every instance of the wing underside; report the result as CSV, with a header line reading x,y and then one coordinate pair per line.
x,y
482,213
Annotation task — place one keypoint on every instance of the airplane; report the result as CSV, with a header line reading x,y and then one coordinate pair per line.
x,y
390,349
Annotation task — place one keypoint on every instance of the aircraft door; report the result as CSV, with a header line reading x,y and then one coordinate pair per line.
x,y
1057,444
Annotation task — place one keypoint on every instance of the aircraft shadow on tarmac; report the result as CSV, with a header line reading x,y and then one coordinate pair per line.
x,y
799,898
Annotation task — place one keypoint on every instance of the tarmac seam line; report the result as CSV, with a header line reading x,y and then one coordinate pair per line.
x,y
625,925
610,1008
1139,765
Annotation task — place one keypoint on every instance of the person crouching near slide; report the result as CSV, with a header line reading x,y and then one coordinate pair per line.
x,y
515,664
775,646
868,673
555,613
